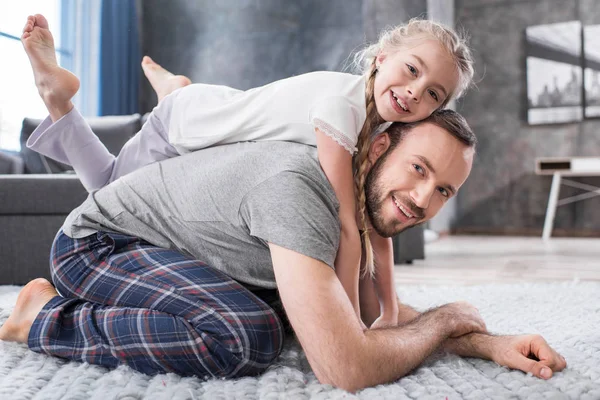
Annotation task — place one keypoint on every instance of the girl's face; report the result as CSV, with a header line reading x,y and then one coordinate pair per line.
x,y
414,81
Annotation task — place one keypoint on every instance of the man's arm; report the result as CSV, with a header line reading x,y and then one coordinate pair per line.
x,y
517,352
338,350
509,351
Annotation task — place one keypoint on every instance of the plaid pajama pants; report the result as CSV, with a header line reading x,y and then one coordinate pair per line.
x,y
156,310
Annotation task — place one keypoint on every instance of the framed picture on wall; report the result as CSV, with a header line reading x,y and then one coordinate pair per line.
x,y
554,73
591,50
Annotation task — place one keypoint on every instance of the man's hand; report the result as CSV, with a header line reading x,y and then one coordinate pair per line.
x,y
522,352
463,318
517,352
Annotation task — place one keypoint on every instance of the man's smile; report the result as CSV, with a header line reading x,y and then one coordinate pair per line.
x,y
403,212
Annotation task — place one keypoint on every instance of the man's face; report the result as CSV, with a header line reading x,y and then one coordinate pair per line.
x,y
409,184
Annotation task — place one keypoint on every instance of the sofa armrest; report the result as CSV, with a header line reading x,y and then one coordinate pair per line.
x,y
56,194
32,210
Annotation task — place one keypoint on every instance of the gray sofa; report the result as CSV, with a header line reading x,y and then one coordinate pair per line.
x,y
36,195
32,209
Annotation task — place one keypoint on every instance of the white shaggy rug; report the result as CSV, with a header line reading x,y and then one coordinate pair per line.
x,y
566,314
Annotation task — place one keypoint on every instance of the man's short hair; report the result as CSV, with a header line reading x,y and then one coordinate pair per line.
x,y
449,120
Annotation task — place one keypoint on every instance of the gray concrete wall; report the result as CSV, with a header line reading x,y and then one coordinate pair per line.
x,y
503,195
248,43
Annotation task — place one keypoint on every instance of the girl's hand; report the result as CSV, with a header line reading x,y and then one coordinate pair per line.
x,y
386,321
363,326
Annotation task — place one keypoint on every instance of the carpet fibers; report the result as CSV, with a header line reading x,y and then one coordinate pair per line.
x,y
566,314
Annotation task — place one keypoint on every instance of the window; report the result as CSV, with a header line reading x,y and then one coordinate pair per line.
x,y
18,95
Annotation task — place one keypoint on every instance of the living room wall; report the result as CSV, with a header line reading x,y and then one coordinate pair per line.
x,y
248,43
503,195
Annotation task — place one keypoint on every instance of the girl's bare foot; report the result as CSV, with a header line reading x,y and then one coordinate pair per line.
x,y
56,85
163,82
32,298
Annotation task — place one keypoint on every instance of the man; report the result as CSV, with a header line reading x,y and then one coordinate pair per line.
x,y
170,268
249,206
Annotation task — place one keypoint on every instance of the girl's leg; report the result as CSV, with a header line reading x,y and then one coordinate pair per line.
x,y
71,141
56,85
153,309
67,137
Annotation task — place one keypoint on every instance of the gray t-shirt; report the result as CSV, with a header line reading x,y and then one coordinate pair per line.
x,y
222,205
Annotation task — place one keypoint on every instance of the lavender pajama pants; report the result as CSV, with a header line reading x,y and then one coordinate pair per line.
x,y
156,310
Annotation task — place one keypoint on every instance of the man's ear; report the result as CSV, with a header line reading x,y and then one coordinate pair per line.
x,y
379,146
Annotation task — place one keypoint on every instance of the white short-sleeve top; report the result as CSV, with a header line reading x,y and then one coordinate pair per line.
x,y
289,109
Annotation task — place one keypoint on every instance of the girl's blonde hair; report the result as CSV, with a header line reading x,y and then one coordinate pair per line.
x,y
389,41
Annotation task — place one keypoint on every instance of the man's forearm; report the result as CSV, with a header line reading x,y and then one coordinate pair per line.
x,y
472,345
393,353
477,345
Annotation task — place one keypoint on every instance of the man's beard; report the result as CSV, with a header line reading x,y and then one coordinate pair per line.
x,y
375,199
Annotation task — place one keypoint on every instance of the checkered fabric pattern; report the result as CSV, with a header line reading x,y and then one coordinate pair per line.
x,y
126,301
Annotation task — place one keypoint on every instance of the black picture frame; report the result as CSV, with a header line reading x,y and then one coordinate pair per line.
x,y
591,67
554,69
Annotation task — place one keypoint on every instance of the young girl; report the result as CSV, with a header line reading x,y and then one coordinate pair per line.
x,y
413,70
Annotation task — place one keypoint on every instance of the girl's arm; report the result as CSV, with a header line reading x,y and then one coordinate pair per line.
x,y
384,281
337,165
71,141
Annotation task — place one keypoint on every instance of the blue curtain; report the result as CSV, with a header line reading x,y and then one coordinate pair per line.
x,y
119,58
80,36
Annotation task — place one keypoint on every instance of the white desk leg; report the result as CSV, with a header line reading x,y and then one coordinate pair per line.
x,y
551,210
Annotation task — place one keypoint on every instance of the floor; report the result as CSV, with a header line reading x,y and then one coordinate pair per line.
x,y
470,260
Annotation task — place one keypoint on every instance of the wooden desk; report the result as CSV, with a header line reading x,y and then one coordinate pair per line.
x,y
560,167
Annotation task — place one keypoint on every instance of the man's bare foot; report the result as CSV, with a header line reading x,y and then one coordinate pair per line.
x,y
56,85
163,82
32,298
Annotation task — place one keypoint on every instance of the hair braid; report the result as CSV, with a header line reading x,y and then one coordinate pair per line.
x,y
360,162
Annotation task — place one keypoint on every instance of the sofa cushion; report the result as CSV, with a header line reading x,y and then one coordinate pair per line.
x,y
113,131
